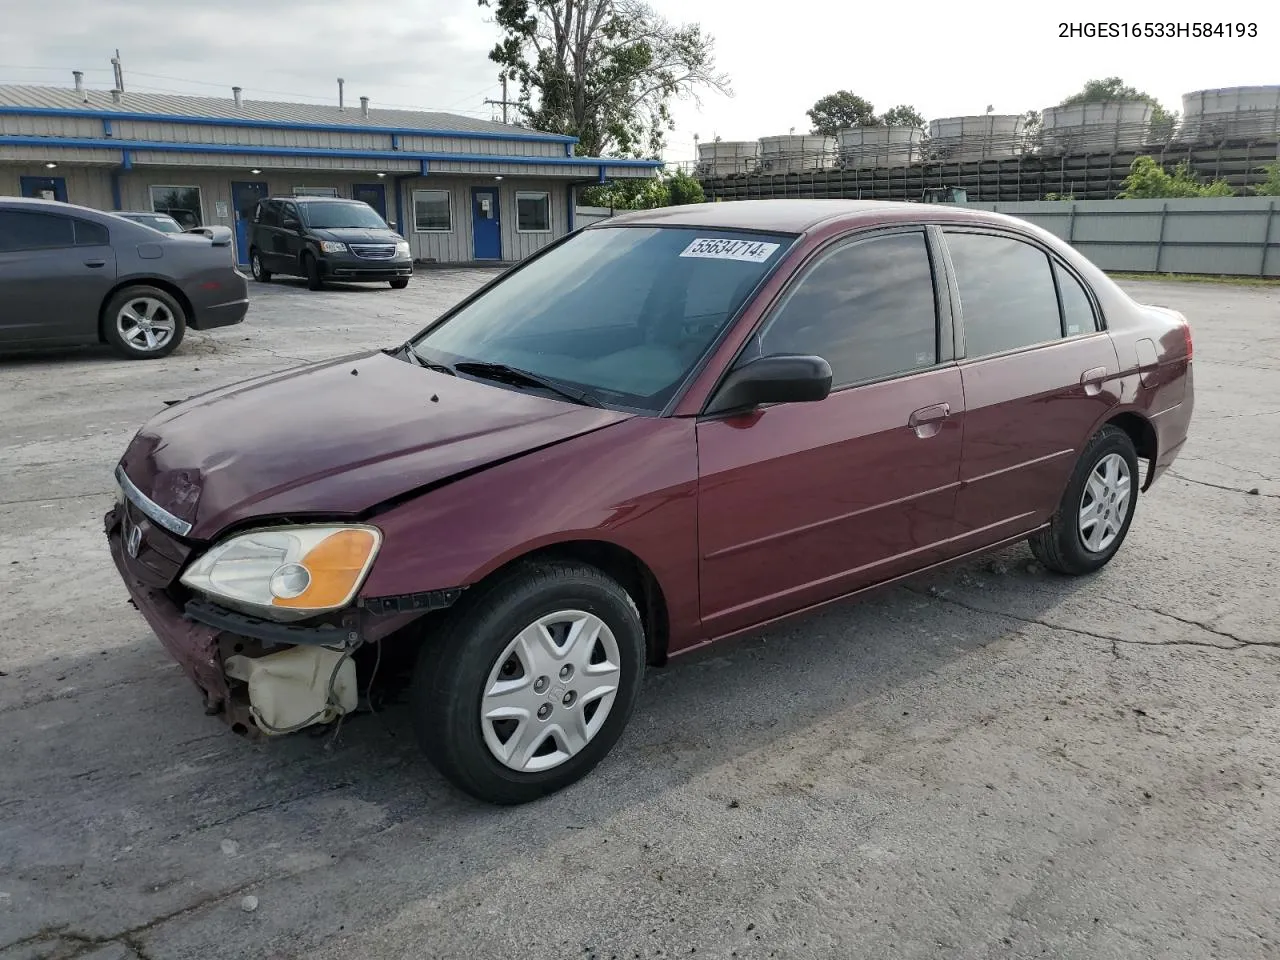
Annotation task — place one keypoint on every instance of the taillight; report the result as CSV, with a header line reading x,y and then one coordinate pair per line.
x,y
1186,335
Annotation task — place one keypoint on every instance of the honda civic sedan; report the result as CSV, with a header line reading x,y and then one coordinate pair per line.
x,y
668,428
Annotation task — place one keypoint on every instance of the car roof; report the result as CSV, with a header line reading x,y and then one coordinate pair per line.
x,y
797,216
309,199
56,206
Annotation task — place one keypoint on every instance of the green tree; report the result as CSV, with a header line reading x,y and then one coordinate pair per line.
x,y
683,189
840,111
604,71
665,190
1271,186
1148,180
1114,88
902,115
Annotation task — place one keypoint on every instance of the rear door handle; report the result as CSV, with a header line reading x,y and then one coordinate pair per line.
x,y
95,263
1092,380
927,421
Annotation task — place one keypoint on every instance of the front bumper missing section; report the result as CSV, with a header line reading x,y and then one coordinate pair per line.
x,y
247,668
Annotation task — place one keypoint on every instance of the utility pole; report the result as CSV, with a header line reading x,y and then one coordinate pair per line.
x,y
504,101
118,70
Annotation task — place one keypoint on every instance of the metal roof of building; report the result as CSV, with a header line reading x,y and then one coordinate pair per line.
x,y
260,111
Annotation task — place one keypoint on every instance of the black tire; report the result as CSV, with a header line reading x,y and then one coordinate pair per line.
x,y
454,667
260,273
399,283
311,270
1060,546
132,298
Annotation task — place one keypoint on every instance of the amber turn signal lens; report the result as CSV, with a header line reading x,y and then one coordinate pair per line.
x,y
336,565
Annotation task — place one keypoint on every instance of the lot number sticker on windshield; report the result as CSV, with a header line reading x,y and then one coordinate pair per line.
x,y
752,251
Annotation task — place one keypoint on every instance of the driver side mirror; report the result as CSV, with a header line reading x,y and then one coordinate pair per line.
x,y
780,378
289,223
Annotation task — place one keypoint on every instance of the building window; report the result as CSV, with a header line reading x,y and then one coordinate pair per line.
x,y
432,211
181,203
533,212
315,191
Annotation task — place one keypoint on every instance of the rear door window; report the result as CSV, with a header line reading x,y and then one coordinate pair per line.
x,y
25,230
868,308
1007,294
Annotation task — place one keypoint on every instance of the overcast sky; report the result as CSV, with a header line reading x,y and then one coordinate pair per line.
x,y
781,57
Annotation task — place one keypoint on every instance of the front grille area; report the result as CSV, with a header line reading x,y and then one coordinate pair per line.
x,y
374,251
160,554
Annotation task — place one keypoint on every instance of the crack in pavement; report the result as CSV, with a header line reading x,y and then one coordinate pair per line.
x,y
69,496
1239,644
1219,486
84,942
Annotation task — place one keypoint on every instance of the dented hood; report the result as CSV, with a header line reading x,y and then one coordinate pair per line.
x,y
336,438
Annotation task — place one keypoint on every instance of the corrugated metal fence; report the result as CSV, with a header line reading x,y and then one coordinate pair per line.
x,y
1235,236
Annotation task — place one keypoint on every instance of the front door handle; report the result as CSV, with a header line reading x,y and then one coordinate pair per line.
x,y
927,421
95,263
1092,380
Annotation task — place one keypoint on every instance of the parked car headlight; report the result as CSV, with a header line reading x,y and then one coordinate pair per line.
x,y
332,246
285,573
402,247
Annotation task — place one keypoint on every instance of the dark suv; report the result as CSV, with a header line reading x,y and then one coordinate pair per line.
x,y
326,238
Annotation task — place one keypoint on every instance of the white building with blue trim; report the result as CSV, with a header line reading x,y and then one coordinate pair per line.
x,y
459,189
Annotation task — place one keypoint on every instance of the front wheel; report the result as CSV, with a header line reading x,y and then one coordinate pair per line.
x,y
143,323
1097,508
399,283
530,682
311,270
260,273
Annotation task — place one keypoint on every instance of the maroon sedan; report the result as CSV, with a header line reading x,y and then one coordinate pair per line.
x,y
662,430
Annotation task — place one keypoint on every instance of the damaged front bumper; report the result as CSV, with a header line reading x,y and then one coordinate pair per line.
x,y
259,676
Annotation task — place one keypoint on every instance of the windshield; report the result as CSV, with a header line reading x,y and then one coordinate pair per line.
x,y
623,312
163,224
331,216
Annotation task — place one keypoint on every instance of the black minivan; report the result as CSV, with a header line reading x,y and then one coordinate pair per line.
x,y
326,238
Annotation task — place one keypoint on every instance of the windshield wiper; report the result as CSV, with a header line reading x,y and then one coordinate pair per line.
x,y
514,375
408,350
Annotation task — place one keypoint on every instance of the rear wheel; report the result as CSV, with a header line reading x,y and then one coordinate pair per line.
x,y
143,323
311,270
1097,508
399,283
260,273
530,682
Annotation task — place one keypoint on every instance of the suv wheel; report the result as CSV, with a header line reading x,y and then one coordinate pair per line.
x,y
399,283
143,323
1097,508
530,681
311,270
260,273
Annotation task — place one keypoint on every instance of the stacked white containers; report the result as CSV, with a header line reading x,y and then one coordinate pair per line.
x,y
793,153
862,147
1103,127
724,158
982,137
1230,113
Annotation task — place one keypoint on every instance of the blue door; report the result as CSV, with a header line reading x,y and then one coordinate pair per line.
x,y
244,197
45,188
485,225
374,194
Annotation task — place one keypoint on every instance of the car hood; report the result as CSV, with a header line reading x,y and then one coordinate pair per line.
x,y
358,235
337,437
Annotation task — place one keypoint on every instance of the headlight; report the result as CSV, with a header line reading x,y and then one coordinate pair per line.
x,y
332,246
402,247
287,573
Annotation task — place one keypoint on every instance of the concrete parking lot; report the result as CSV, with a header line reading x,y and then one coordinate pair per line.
x,y
987,763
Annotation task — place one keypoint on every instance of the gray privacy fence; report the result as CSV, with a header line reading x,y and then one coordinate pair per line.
x,y
1236,236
